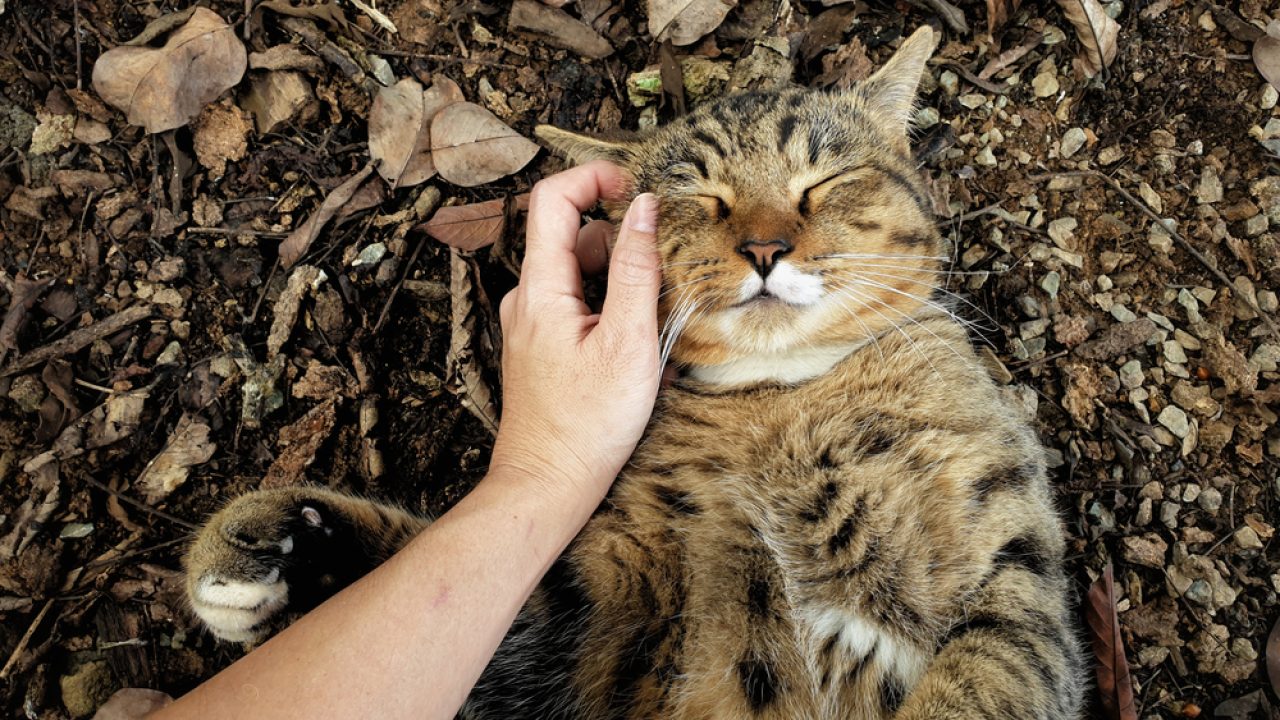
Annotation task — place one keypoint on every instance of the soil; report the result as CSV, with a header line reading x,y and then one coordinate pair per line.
x,y
1154,382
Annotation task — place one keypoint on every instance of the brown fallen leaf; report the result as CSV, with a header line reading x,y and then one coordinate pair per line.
x,y
471,227
302,282
465,379
285,57
399,128
1266,54
559,28
188,446
1114,684
672,78
298,445
296,245
684,22
999,12
274,98
1011,56
329,13
1098,34
24,296
165,88
470,146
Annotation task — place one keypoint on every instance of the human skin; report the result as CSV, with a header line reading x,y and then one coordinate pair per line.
x,y
411,638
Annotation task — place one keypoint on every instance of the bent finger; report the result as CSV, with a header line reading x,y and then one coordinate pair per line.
x,y
593,246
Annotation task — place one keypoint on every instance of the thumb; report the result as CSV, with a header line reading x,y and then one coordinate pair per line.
x,y
631,299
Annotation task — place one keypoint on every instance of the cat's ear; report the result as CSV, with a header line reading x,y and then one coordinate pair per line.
x,y
892,90
580,148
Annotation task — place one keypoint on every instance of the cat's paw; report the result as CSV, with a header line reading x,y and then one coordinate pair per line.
x,y
265,558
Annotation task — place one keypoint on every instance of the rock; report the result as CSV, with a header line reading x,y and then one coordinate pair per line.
x,y
927,117
950,82
1267,301
1045,84
1169,514
1267,99
1158,236
1173,351
1210,188
985,157
1199,593
1148,550
1072,141
1150,197
276,97
1247,538
1210,500
1062,232
1241,708
1111,155
1131,374
973,101
1122,313
1173,418
28,392
1051,283
91,685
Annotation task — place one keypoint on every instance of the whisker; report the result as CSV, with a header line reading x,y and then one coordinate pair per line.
x,y
910,342
874,256
994,326
924,327
933,271
962,321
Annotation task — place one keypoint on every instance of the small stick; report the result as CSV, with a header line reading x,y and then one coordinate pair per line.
x,y
448,59
79,81
26,640
79,339
1251,301
234,232
263,295
141,505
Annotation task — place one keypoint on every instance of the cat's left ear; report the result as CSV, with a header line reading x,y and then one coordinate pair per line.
x,y
892,90
580,148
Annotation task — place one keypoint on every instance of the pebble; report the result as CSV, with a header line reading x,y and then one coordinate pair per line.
x,y
973,101
1269,97
927,117
1200,593
1267,301
1256,225
1072,141
1143,517
1190,492
949,81
1190,305
1131,374
1150,197
1210,500
1173,418
1210,188
1104,283
985,157
1110,155
1062,232
1148,550
1045,85
1158,236
1050,283
370,255
1186,339
1247,538
1122,313
1169,513
1173,351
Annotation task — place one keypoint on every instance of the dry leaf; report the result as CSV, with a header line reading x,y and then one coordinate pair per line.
x,y
999,12
23,298
1266,54
1011,56
684,22
559,28
275,97
285,57
302,282
464,373
1114,683
298,445
1097,32
471,227
165,88
132,704
187,447
296,245
399,123
470,146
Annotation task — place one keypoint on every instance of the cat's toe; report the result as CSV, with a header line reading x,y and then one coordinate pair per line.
x,y
236,609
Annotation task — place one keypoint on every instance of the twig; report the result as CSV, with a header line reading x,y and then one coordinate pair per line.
x,y
257,306
386,307
1251,301
21,647
75,5
234,232
140,505
448,59
79,339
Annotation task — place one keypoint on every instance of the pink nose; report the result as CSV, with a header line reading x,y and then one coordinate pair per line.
x,y
763,254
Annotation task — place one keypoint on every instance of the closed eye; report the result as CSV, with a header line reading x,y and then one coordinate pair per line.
x,y
817,191
715,206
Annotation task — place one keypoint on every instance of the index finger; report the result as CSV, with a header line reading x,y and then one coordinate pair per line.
x,y
555,214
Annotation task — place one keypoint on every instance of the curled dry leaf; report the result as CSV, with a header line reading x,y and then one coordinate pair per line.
x,y
471,227
1114,684
399,122
1266,54
559,28
999,12
187,447
165,88
25,294
470,146
296,245
1097,32
684,22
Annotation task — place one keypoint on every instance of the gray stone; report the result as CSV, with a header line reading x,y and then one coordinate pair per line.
x,y
1169,513
1173,418
1072,141
1131,374
1210,500
1122,313
1051,283
1062,232
1247,538
1173,351
1045,84
1210,188
1200,593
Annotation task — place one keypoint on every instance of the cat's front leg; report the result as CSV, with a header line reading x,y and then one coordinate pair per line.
x,y
271,555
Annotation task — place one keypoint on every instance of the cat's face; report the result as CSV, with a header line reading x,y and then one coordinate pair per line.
x,y
787,220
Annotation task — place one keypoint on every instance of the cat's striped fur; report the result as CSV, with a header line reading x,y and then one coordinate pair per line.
x,y
835,513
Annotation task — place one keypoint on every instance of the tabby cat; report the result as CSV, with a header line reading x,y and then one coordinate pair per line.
x,y
835,513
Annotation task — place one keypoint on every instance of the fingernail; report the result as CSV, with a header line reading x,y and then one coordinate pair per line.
x,y
643,215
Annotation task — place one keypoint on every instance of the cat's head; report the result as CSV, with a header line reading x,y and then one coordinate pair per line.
x,y
790,223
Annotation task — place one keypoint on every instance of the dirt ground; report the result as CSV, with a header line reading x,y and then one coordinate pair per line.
x,y
1150,357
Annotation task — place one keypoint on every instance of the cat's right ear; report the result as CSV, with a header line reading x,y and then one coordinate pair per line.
x,y
580,148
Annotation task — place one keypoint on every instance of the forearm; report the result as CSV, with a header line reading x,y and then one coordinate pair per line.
x,y
412,637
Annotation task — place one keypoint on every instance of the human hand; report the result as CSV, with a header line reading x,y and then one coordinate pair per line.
x,y
578,387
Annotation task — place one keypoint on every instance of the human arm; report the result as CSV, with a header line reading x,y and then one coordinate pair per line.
x,y
411,638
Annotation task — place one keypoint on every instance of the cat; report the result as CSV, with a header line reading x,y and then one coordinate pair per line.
x,y
835,513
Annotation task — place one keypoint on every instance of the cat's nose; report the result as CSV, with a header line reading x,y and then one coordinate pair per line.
x,y
762,254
